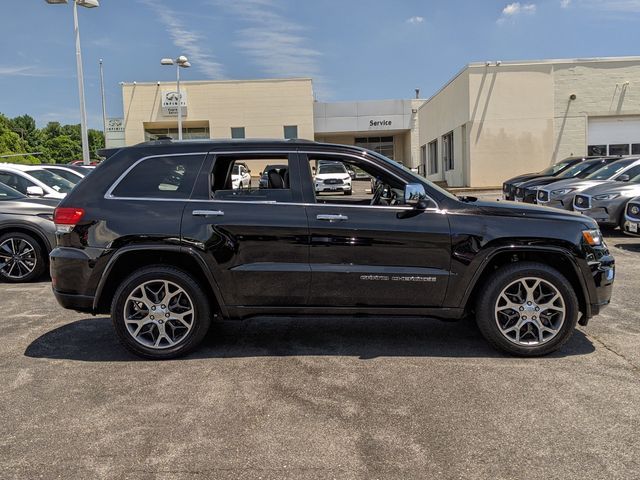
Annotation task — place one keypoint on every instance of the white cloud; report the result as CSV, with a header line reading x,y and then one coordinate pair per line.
x,y
274,42
565,3
24,71
191,43
515,9
415,20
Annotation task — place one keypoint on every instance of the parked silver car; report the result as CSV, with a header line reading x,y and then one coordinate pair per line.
x,y
560,194
27,235
606,203
632,217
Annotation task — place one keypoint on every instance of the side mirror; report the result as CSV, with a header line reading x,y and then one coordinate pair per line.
x,y
35,191
415,195
623,178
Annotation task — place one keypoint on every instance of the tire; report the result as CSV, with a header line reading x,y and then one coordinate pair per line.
x,y
347,192
32,261
151,279
493,309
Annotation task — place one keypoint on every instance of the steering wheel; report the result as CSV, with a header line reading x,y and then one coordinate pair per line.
x,y
377,194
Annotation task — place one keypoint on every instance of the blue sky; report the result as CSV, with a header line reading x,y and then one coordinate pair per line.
x,y
354,49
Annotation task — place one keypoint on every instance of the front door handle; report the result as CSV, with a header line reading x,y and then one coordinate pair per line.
x,y
207,213
332,218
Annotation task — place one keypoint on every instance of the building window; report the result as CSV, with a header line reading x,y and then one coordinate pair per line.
x,y
237,132
433,157
189,133
381,145
447,151
619,149
635,149
290,132
596,150
423,160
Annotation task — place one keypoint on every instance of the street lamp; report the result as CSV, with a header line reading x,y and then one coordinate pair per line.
x,y
180,62
83,110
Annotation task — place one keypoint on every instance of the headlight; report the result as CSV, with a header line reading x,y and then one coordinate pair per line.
x,y
562,191
592,237
607,196
635,210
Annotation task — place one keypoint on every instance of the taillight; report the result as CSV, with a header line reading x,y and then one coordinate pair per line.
x,y
66,218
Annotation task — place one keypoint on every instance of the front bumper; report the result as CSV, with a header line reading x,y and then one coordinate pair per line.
x,y
632,227
603,215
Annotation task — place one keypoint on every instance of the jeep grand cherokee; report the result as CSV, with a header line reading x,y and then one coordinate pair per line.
x,y
158,238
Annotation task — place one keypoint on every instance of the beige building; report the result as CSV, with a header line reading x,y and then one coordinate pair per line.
x,y
495,120
218,109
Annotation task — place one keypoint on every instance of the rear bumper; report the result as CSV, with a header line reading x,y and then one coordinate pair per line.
x,y
73,301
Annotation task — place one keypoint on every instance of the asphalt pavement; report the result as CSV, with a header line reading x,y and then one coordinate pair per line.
x,y
319,398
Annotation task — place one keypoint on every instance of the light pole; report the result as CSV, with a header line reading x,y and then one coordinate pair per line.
x,y
83,110
180,62
104,103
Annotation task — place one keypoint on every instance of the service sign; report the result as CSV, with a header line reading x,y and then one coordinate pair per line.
x,y
170,103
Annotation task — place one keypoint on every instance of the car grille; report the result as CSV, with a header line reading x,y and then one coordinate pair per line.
x,y
633,210
333,181
543,196
582,201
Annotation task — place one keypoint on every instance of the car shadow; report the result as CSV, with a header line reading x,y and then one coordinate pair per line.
x,y
93,340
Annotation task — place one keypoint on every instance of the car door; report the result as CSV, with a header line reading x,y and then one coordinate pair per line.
x,y
363,255
255,240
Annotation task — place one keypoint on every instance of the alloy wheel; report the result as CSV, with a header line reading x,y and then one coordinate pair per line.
x,y
159,314
18,258
530,311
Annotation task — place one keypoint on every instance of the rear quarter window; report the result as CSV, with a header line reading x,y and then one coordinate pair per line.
x,y
170,177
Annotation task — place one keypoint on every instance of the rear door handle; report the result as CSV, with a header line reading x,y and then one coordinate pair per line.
x,y
332,218
207,213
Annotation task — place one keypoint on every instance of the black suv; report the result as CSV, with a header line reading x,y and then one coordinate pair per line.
x,y
158,237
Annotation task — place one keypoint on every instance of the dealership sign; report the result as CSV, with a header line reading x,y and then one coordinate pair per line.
x,y
170,103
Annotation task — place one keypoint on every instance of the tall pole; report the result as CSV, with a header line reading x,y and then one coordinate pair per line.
x,y
179,102
104,103
83,111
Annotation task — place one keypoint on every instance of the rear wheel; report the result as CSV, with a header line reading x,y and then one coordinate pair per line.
x,y
21,258
160,312
527,309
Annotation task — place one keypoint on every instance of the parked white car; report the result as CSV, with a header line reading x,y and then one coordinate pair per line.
x,y
241,177
332,177
73,173
34,181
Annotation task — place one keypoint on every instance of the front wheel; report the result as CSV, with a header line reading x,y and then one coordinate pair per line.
x,y
160,312
527,309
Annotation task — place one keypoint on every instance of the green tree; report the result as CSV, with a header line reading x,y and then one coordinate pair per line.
x,y
12,143
63,149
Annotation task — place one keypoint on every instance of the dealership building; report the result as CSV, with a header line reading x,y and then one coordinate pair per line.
x,y
492,121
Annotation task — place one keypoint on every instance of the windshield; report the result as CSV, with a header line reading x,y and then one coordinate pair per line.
x,y
605,173
554,169
336,168
414,175
67,175
8,193
52,180
576,170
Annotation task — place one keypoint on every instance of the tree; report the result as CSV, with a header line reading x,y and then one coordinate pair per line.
x,y
63,149
11,143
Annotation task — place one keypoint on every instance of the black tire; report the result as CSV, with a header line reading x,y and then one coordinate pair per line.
x,y
201,317
488,296
39,257
347,192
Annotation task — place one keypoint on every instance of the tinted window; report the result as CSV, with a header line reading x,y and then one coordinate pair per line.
x,y
161,177
52,180
7,193
15,181
268,178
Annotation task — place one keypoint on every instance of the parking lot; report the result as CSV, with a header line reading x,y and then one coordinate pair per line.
x,y
318,398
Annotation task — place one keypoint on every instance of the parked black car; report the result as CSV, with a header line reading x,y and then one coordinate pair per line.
x,y
165,262
528,191
27,234
509,186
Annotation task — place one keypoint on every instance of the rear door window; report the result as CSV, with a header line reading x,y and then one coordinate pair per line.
x,y
162,177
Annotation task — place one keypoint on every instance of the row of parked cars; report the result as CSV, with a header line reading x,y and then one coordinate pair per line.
x,y
606,189
29,195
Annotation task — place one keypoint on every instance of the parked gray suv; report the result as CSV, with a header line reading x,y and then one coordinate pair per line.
x,y
560,194
606,203
27,235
